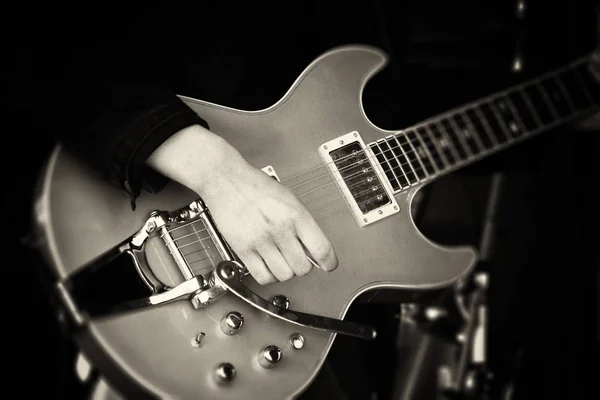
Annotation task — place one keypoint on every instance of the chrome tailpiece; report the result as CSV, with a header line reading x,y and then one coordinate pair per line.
x,y
122,280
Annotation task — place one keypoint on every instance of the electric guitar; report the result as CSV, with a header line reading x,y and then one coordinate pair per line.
x,y
163,308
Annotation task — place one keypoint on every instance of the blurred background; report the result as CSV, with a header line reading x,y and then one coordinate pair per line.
x,y
543,339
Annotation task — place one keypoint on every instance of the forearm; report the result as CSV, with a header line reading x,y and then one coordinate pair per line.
x,y
199,150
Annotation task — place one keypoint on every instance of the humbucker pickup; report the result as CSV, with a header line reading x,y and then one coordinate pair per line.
x,y
360,178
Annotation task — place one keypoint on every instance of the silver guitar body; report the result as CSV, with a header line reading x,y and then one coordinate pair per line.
x,y
80,216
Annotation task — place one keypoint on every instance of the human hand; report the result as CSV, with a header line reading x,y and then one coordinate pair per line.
x,y
265,224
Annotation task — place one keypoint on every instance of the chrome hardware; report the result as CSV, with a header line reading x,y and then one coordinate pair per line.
x,y
269,356
435,313
232,323
224,373
280,301
352,145
230,275
297,341
198,341
197,289
212,292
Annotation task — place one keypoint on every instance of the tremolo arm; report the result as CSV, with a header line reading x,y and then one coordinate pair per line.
x,y
91,291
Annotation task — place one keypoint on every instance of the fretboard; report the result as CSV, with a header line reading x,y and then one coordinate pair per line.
x,y
473,131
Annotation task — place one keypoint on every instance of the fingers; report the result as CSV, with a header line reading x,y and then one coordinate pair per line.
x,y
278,261
257,267
317,243
294,254
275,261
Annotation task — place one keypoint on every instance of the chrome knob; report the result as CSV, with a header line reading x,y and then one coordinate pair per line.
x,y
224,373
296,341
269,356
281,301
232,322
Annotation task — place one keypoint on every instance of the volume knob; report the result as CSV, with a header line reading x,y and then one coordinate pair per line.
x,y
269,356
224,373
232,322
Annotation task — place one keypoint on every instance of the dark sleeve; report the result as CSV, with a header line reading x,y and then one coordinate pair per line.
x,y
106,93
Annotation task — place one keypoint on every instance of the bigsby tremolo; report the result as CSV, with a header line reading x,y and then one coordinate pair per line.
x,y
224,273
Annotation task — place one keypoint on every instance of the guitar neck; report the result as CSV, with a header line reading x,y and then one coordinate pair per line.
x,y
481,128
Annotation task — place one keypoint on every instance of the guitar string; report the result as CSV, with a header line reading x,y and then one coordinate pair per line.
x,y
394,150
383,167
507,141
364,151
493,148
311,191
428,141
489,99
335,181
397,161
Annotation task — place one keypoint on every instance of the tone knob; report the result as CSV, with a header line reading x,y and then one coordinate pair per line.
x,y
269,356
281,301
224,373
296,341
232,322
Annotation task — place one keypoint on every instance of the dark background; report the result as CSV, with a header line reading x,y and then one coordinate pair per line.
x,y
442,53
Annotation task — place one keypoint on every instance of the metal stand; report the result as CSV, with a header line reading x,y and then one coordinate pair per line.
x,y
444,344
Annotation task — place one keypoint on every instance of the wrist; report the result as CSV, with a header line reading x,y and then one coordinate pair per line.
x,y
195,157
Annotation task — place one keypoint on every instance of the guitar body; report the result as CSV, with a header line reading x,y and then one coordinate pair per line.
x,y
80,216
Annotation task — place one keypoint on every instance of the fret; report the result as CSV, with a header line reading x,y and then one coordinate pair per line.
x,y
473,119
431,149
469,135
504,134
456,138
397,181
589,82
401,159
566,94
553,93
539,104
527,114
411,157
509,116
441,144
421,152
438,144
581,100
497,133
